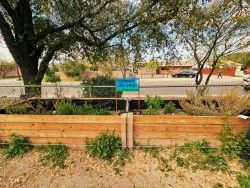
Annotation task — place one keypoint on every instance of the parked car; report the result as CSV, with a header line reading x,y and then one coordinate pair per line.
x,y
246,83
184,74
247,79
246,86
246,71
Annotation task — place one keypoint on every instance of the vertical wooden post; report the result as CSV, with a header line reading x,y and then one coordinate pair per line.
x,y
130,131
116,105
124,129
139,104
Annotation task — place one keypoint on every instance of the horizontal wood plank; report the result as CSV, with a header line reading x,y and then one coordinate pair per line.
x,y
53,133
188,119
61,126
184,128
60,118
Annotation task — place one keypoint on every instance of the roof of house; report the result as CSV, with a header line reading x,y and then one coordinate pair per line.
x,y
189,64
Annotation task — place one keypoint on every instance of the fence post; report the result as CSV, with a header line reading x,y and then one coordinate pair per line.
x,y
130,130
124,129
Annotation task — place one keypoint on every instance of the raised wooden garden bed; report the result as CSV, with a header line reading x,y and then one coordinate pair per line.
x,y
73,130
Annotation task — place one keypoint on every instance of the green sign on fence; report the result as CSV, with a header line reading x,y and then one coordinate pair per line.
x,y
127,84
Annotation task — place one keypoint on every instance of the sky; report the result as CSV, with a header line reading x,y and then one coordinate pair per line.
x,y
4,53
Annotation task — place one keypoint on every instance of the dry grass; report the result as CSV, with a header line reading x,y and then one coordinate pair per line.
x,y
229,102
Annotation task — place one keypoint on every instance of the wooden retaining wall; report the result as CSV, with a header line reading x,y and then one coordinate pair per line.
x,y
70,130
167,131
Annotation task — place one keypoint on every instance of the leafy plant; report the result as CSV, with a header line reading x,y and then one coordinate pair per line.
x,y
243,181
50,76
18,145
169,107
233,144
200,156
90,89
70,108
17,109
55,155
77,78
200,146
154,105
105,146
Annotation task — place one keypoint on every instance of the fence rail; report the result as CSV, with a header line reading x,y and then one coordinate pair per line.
x,y
17,90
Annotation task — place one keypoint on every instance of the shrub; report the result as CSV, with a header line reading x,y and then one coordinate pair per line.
x,y
104,92
18,145
154,105
50,76
228,102
72,67
18,109
169,107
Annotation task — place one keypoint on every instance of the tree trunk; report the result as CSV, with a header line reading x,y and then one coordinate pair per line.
x,y
31,79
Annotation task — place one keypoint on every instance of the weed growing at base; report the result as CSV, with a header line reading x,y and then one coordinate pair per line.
x,y
17,146
108,147
55,155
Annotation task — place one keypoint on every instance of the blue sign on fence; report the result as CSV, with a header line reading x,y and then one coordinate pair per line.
x,y
127,84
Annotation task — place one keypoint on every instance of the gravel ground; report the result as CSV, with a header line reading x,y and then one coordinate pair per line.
x,y
84,171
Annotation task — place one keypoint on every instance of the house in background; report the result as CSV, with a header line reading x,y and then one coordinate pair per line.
x,y
228,68
174,68
166,69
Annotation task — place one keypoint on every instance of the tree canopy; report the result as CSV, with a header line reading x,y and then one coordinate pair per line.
x,y
35,31
213,30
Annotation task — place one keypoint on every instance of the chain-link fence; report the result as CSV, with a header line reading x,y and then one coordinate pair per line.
x,y
17,90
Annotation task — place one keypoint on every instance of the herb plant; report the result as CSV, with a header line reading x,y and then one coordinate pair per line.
x,y
169,107
154,105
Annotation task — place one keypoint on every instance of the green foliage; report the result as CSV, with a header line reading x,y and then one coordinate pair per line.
x,y
200,156
17,109
50,76
243,181
200,146
72,67
245,164
70,108
153,105
77,78
233,144
240,57
6,67
55,155
18,145
169,107
105,146
104,92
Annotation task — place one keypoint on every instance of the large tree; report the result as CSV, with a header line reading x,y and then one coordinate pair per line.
x,y
35,31
212,30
